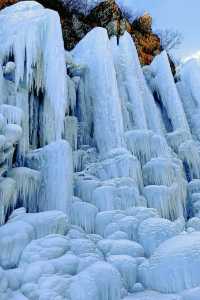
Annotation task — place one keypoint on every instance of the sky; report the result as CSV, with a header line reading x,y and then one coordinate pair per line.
x,y
181,15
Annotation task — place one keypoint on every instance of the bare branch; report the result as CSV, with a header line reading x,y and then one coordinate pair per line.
x,y
170,39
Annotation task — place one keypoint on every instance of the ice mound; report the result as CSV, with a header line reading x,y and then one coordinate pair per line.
x,y
89,285
154,231
179,257
22,229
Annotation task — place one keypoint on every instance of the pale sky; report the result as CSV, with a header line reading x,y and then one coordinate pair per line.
x,y
181,15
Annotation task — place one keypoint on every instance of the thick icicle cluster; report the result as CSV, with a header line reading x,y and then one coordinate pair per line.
x,y
33,37
99,167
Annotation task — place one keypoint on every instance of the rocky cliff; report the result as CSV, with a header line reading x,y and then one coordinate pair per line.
x,y
108,15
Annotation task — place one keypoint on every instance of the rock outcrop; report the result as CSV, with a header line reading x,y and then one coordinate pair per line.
x,y
109,15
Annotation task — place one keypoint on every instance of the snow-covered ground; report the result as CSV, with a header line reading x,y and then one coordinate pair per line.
x,y
99,167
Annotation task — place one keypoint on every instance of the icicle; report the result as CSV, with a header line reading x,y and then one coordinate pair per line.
x,y
71,131
6,155
122,165
39,60
84,214
127,70
162,82
71,94
188,87
159,171
94,50
22,101
145,145
176,138
54,161
8,197
82,157
12,114
166,200
138,105
28,186
189,154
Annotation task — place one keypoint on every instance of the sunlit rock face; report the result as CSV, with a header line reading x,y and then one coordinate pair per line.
x,y
99,166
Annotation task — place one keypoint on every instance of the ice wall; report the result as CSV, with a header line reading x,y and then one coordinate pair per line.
x,y
162,82
138,106
33,36
113,148
95,52
188,87
54,161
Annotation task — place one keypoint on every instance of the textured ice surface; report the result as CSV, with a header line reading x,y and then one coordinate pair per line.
x,y
188,87
178,257
28,183
127,267
54,161
127,226
100,281
162,82
28,29
154,231
23,228
151,295
95,51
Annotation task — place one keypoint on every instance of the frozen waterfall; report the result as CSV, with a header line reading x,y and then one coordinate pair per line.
x,y
99,167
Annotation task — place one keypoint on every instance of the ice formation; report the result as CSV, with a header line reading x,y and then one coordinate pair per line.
x,y
54,161
29,33
99,167
103,89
